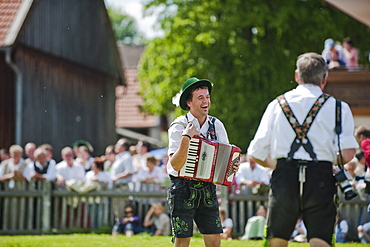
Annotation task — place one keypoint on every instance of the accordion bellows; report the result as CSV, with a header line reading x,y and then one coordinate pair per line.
x,y
210,161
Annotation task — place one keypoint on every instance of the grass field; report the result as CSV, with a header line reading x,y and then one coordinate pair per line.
x,y
95,240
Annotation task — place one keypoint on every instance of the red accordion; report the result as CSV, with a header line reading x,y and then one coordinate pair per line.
x,y
210,161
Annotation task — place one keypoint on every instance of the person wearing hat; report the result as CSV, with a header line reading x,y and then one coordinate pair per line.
x,y
193,199
332,50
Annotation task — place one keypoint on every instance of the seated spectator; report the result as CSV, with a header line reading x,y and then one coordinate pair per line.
x,y
341,229
364,233
157,218
252,178
129,224
227,225
68,169
255,225
15,168
300,232
42,168
97,173
334,62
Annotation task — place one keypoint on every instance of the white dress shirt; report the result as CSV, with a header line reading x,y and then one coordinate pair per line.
x,y
259,173
123,163
175,134
51,172
275,135
75,172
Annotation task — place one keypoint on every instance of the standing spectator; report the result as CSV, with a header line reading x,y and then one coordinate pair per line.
x,y
42,168
362,135
329,48
50,153
151,173
297,137
4,154
29,149
157,218
253,178
255,225
97,173
227,225
121,173
109,156
15,168
122,168
84,158
80,143
68,169
350,53
142,152
341,229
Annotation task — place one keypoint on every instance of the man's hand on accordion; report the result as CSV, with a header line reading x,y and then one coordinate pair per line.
x,y
190,130
236,166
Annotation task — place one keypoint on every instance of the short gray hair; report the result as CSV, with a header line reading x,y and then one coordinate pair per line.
x,y
311,68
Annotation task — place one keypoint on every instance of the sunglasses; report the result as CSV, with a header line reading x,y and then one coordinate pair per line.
x,y
129,212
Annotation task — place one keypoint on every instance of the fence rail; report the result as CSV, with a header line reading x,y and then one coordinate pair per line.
x,y
42,207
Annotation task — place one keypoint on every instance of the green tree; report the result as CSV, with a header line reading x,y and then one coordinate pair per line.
x,y
125,27
247,48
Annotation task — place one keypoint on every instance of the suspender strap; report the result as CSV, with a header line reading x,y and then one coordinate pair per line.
x,y
301,130
338,128
211,129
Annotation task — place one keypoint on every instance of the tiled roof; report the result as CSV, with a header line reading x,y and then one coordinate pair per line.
x,y
128,113
8,11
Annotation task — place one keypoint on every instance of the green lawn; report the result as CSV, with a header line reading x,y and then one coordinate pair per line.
x,y
96,240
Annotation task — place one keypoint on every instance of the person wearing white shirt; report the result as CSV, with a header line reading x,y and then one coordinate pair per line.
x,y
253,177
15,168
42,168
297,137
122,168
69,169
193,200
151,173
97,172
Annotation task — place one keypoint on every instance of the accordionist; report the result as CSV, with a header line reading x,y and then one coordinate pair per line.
x,y
193,199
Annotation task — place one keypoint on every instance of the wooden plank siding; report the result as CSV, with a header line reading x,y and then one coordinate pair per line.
x,y
7,98
69,101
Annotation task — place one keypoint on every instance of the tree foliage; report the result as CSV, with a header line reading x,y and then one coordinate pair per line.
x,y
247,48
125,27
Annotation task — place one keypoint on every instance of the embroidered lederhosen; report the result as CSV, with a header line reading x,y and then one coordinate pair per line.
x,y
301,131
193,195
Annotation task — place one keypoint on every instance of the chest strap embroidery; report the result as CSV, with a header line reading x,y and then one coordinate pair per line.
x,y
301,130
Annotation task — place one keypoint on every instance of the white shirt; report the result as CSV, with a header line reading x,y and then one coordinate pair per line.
x,y
275,135
102,176
75,172
175,134
259,173
51,172
11,167
123,163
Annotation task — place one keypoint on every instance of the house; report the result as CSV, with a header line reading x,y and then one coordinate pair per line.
x,y
59,67
130,121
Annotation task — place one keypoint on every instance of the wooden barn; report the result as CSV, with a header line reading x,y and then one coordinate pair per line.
x,y
59,67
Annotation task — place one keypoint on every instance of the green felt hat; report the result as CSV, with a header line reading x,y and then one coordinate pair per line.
x,y
188,86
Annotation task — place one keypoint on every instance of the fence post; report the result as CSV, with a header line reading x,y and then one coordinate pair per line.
x,y
46,204
224,198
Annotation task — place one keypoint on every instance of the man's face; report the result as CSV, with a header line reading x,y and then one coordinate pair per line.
x,y
200,103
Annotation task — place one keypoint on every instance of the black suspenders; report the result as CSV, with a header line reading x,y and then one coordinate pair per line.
x,y
301,130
